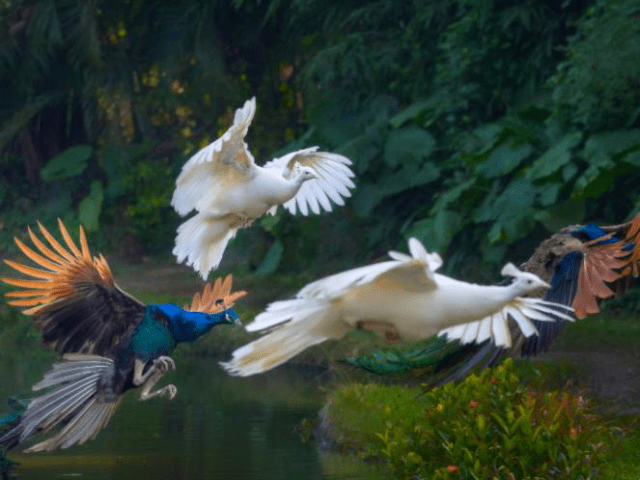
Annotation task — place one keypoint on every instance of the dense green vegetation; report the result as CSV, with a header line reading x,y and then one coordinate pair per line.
x,y
476,126
489,426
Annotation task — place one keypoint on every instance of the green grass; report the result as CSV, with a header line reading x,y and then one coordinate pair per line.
x,y
625,465
610,329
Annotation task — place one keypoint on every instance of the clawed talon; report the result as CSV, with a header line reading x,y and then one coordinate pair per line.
x,y
170,390
164,364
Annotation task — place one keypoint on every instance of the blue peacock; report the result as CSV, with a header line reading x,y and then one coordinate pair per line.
x,y
584,264
110,341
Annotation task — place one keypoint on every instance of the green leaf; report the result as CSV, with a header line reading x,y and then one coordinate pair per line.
x,y
561,214
503,159
595,180
270,222
271,260
409,144
633,158
68,164
549,193
409,176
611,143
512,210
555,157
411,112
437,232
90,206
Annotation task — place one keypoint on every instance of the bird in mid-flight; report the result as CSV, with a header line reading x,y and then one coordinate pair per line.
x,y
110,341
404,299
229,191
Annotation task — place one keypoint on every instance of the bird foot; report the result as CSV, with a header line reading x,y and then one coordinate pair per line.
x,y
164,363
170,390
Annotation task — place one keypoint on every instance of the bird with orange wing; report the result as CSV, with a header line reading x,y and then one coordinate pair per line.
x,y
110,341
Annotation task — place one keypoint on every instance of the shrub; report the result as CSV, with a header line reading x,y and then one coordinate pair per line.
x,y
488,426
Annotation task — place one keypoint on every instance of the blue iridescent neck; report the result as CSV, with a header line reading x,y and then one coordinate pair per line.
x,y
187,326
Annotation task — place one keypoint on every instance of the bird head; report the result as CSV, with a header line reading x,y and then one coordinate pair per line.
x,y
305,174
526,282
231,317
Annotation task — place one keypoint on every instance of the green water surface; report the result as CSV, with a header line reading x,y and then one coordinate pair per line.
x,y
217,427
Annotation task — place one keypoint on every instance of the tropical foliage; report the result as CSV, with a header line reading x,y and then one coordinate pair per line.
x,y
476,126
488,426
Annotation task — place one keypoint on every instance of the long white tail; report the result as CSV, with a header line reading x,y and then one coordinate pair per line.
x,y
202,240
75,402
309,322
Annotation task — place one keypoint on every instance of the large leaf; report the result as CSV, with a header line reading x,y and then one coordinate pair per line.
x,y
68,164
555,157
90,207
512,211
409,176
504,159
408,144
412,111
611,143
561,214
271,260
436,232
596,179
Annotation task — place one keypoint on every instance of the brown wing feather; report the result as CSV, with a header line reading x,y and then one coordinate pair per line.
x,y
72,295
215,298
633,236
599,265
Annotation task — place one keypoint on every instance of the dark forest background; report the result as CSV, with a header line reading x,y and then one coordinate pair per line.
x,y
478,126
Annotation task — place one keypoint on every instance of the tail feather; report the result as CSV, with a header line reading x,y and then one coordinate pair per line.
x,y
202,240
74,402
283,343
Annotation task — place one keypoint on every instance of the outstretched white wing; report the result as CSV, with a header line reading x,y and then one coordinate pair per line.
x,y
408,273
332,182
211,171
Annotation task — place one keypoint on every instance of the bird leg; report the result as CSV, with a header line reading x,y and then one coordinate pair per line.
x,y
389,331
149,378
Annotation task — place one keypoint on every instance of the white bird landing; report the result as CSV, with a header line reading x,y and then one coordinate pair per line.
x,y
402,298
229,191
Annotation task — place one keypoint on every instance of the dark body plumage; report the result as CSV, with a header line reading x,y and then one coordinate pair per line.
x,y
110,341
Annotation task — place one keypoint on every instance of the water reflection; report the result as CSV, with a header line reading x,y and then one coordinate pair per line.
x,y
218,427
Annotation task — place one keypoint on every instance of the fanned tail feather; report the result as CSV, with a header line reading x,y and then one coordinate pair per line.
x,y
318,323
202,240
74,402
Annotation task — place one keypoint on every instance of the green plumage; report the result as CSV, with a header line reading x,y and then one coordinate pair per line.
x,y
152,338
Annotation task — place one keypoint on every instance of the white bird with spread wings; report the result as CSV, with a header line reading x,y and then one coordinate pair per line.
x,y
403,298
229,191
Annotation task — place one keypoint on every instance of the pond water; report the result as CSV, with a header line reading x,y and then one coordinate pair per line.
x,y
218,427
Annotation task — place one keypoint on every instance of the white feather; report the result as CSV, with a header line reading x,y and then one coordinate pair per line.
x,y
404,294
222,181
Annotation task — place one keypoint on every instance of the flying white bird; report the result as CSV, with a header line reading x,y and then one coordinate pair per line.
x,y
402,298
229,191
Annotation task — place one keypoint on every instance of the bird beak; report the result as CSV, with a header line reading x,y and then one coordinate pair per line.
x,y
237,322
546,285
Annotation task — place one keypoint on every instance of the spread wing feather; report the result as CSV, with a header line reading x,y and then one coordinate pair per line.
x,y
207,173
74,301
333,179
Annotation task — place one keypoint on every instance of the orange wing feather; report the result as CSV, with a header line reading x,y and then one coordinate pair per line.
x,y
60,273
215,298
